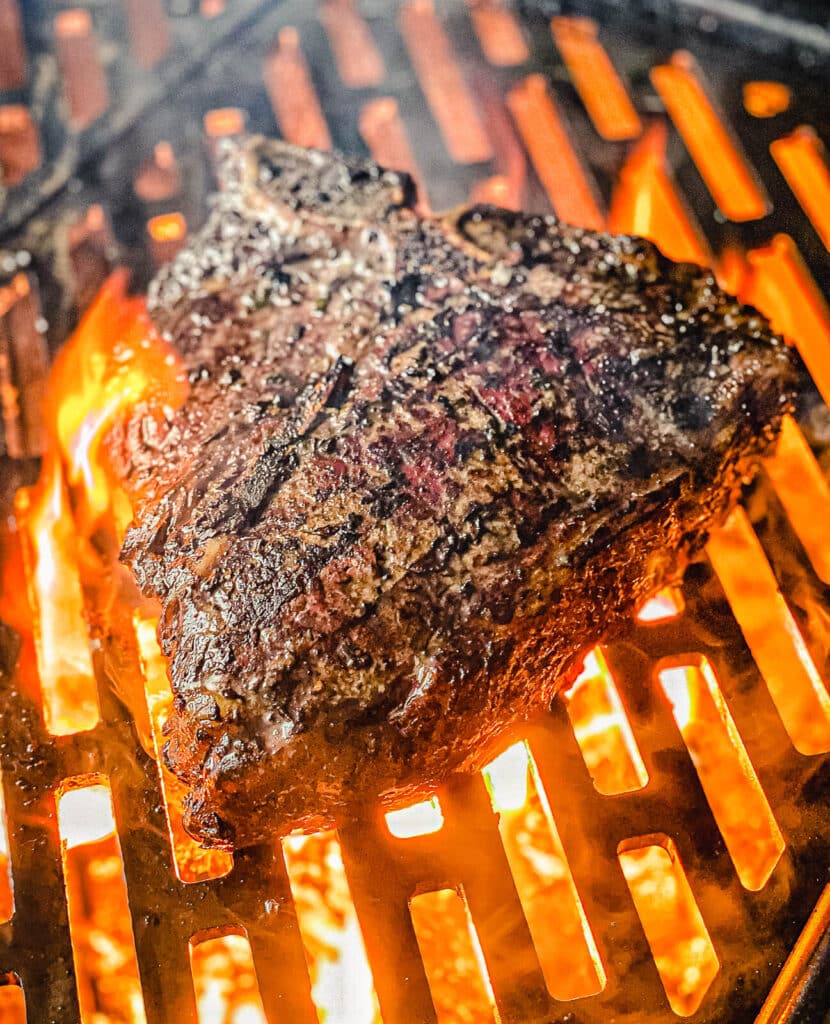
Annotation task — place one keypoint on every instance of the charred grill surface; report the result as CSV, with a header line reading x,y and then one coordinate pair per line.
x,y
424,463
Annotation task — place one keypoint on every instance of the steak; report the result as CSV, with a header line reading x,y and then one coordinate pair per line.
x,y
425,462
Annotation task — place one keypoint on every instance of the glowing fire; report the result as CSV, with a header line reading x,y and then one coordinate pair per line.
x,y
766,99
85,815
115,362
70,700
453,958
99,917
602,729
112,363
664,605
567,954
192,863
417,820
683,952
646,202
224,979
728,777
341,980
506,778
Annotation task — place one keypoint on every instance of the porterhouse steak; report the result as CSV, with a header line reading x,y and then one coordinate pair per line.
x,y
424,463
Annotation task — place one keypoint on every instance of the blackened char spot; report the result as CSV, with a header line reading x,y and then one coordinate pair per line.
x,y
386,500
406,295
641,463
272,469
692,412
343,384
473,440
216,831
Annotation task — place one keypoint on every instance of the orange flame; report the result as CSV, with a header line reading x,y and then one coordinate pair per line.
x,y
191,862
114,362
70,699
645,202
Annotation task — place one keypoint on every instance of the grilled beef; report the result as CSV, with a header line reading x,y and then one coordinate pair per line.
x,y
425,462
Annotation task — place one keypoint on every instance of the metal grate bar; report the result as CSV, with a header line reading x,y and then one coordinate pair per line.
x,y
578,812
381,887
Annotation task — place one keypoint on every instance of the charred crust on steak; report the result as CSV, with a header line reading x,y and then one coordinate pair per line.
x,y
424,463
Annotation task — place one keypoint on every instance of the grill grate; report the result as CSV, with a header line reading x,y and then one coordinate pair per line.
x,y
529,140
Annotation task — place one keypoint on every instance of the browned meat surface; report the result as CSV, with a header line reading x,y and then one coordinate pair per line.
x,y
423,465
